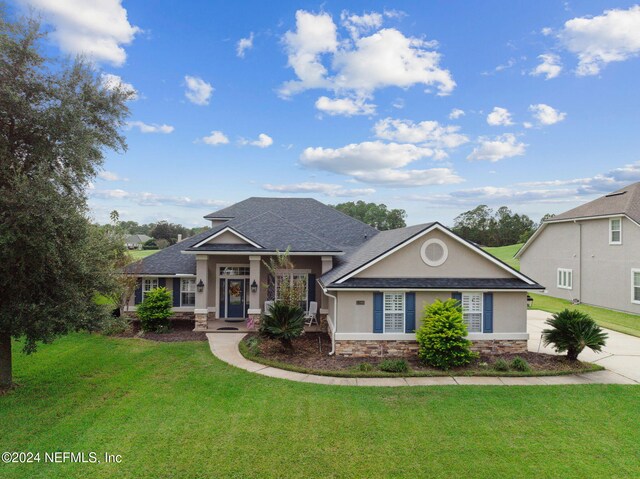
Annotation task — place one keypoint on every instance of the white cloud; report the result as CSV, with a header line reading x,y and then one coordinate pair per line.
x,y
327,189
503,146
216,138
378,163
613,36
98,30
263,141
243,45
154,199
428,133
550,66
345,106
198,91
398,103
361,65
546,115
499,117
150,128
111,82
110,176
358,25
456,113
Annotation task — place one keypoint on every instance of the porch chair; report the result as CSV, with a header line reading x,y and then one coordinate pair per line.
x,y
311,315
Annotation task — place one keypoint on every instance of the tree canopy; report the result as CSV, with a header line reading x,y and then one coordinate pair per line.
x,y
57,119
376,215
488,228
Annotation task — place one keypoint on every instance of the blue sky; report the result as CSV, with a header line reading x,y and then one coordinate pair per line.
x,y
434,107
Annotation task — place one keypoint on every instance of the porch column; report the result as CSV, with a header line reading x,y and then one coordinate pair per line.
x,y
202,274
255,264
327,265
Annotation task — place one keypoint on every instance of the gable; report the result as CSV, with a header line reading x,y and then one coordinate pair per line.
x,y
227,237
461,261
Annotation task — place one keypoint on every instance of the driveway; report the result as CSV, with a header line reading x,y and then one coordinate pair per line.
x,y
621,355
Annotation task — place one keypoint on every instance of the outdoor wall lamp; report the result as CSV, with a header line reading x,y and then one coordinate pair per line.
x,y
254,287
200,286
529,301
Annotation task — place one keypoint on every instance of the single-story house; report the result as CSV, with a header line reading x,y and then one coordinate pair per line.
x,y
370,285
590,254
136,241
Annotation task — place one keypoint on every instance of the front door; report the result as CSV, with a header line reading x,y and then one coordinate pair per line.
x,y
235,298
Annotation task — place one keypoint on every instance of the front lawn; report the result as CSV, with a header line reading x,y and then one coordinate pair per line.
x,y
607,318
506,254
137,254
174,410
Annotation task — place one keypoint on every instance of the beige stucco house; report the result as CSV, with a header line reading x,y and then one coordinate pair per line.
x,y
590,254
370,285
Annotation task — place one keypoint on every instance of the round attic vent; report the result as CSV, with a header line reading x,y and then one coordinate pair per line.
x,y
434,252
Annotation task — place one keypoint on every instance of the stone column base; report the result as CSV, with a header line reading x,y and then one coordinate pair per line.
x,y
253,322
201,322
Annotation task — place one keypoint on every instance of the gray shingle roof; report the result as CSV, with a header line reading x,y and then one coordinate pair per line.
x,y
623,201
437,283
376,246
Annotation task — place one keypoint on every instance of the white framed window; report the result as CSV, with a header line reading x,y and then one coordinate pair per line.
x,y
393,313
615,231
188,292
148,284
234,271
635,286
300,277
565,278
472,311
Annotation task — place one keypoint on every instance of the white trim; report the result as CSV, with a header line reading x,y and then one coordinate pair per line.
x,y
148,278
228,229
569,276
423,252
324,311
265,253
437,290
634,271
254,311
384,311
201,311
611,231
195,290
481,313
437,226
412,336
217,285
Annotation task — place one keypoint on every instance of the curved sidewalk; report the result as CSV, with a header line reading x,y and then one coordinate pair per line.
x,y
225,347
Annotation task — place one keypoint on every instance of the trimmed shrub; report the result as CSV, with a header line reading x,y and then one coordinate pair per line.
x,y
501,365
572,331
284,322
253,345
441,337
365,367
154,312
394,366
519,364
114,325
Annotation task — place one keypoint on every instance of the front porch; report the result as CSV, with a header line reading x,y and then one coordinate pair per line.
x,y
241,326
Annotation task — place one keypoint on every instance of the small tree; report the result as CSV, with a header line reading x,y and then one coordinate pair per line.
x,y
441,338
290,290
154,312
572,331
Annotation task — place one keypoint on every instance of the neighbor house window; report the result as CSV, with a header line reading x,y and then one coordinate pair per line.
x,y
298,278
187,292
394,312
565,278
148,284
615,231
635,286
472,311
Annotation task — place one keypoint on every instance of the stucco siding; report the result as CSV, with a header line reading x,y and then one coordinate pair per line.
x,y
462,262
227,238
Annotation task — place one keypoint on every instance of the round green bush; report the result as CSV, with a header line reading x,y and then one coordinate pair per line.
x,y
501,365
519,364
154,312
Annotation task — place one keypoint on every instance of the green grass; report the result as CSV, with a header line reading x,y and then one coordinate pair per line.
x,y
607,318
137,254
174,410
505,254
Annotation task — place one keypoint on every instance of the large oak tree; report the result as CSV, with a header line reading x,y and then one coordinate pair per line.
x,y
57,120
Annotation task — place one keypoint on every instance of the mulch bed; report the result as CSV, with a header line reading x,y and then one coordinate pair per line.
x,y
311,352
180,331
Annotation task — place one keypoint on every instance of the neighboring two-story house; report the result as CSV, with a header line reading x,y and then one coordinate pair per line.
x,y
591,253
370,286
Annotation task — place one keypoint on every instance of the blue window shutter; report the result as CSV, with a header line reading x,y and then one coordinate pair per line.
x,y
311,285
138,294
487,302
176,292
162,282
457,297
409,312
378,306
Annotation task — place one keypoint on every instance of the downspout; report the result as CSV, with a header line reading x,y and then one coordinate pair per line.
x,y
335,320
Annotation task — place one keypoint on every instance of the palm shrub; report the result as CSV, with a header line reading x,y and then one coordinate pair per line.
x,y
572,331
154,312
284,322
441,338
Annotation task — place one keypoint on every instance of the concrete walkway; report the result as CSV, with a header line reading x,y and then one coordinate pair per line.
x,y
225,347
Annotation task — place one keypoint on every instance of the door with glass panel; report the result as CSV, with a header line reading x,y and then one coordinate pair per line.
x,y
233,292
